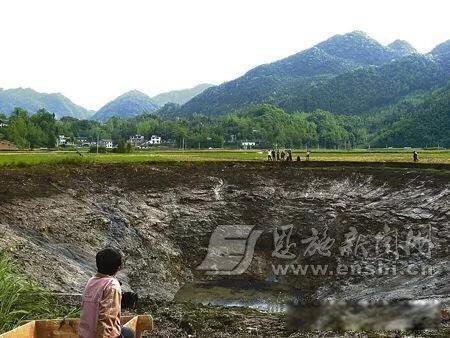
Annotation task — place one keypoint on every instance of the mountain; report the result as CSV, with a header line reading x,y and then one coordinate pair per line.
x,y
279,81
358,47
32,101
416,121
442,54
346,74
180,96
366,88
130,104
402,48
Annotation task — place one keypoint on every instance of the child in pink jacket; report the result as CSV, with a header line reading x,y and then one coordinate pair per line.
x,y
102,297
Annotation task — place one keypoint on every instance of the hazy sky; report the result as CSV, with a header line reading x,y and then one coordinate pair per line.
x,y
93,51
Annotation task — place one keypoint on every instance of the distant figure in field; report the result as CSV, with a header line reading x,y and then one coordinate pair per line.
x,y
269,155
283,154
273,155
278,154
298,158
102,298
415,156
308,154
289,155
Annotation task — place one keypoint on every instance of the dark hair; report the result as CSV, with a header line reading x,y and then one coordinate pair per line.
x,y
108,261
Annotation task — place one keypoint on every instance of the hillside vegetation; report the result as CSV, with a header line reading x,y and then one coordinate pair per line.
x,y
180,96
348,74
127,105
32,101
420,120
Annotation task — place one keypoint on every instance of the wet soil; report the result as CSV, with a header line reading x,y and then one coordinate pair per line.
x,y
54,219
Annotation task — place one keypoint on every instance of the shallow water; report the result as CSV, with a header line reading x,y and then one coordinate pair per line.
x,y
263,296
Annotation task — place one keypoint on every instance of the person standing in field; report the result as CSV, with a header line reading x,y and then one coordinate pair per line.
x,y
308,153
415,156
102,298
289,156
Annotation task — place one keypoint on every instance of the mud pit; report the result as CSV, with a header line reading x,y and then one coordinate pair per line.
x,y
53,220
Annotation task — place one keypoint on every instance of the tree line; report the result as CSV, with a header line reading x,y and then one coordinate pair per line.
x,y
418,121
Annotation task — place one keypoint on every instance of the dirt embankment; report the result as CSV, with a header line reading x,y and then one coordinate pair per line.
x,y
54,219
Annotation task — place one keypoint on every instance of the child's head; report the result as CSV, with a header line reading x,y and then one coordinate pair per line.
x,y
108,261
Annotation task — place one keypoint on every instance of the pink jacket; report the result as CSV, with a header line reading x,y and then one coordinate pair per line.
x,y
100,309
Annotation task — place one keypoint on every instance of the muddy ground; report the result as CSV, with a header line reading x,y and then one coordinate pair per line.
x,y
54,219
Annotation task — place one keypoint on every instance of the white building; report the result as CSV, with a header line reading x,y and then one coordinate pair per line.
x,y
108,144
61,140
154,140
83,141
248,144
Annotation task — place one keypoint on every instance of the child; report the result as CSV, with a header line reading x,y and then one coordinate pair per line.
x,y
102,297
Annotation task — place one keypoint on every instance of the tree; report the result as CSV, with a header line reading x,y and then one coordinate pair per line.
x,y
17,130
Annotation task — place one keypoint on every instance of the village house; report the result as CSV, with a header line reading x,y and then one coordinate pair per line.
x,y
108,144
83,142
61,141
139,141
155,140
136,140
248,144
64,141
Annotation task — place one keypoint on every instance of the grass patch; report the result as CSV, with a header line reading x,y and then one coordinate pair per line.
x,y
24,159
21,299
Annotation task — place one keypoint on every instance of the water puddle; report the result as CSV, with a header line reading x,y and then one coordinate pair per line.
x,y
259,295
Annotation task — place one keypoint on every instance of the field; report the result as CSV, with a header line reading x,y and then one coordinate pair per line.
x,y
29,158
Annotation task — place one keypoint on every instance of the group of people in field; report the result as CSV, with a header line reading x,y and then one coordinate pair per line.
x,y
284,155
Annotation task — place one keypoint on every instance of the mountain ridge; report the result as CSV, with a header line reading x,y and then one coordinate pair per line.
x,y
32,100
288,79
180,96
129,104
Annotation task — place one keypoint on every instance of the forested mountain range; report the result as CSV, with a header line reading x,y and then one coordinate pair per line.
x,y
180,96
127,105
32,101
348,74
348,91
135,102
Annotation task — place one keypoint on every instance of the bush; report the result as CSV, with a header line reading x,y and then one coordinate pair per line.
x,y
123,148
101,150
21,299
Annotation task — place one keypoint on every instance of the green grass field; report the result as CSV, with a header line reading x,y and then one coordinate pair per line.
x,y
69,157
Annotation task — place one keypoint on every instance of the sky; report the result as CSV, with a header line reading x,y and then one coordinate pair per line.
x,y
93,50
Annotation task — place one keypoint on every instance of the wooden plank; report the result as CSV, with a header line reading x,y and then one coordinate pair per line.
x,y
132,323
24,331
65,328
139,324
68,328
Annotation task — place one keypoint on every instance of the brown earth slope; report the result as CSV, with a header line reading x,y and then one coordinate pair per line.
x,y
54,219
